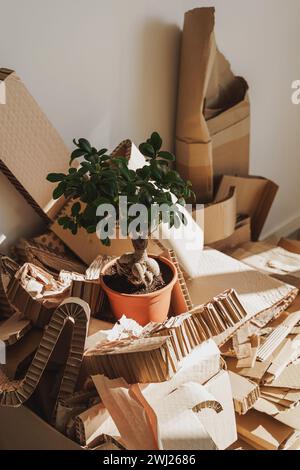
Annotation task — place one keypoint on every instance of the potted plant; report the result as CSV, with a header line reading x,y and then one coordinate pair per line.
x,y
137,285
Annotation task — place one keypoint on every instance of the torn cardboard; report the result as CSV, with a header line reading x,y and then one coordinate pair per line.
x,y
25,135
15,393
212,135
257,292
272,260
255,196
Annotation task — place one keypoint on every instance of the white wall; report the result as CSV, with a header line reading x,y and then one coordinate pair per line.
x,y
107,70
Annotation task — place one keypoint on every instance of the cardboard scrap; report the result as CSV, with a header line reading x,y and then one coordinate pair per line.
x,y
275,261
263,432
35,293
287,355
241,235
220,218
277,336
8,268
212,135
25,135
94,422
245,393
13,329
152,354
255,196
29,251
257,292
141,360
15,393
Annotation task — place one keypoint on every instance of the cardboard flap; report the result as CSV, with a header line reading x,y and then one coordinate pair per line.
x,y
30,147
255,196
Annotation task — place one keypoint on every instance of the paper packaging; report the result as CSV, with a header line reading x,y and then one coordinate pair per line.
x,y
217,272
25,136
264,432
17,393
8,268
241,235
255,196
218,219
269,259
212,135
186,416
245,393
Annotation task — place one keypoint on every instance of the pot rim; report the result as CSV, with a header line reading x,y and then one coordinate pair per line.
x,y
150,294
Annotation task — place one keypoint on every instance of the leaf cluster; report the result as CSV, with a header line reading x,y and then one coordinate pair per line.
x,y
100,178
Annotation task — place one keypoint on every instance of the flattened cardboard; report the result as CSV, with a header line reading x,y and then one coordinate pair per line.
x,y
13,329
8,268
257,292
221,427
219,218
272,260
142,360
290,245
26,137
262,431
255,196
213,109
230,133
29,251
241,235
244,392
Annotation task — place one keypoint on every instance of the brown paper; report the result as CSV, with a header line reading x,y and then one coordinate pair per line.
x,y
30,147
219,218
15,393
255,196
264,432
244,392
272,260
257,292
213,110
8,269
241,235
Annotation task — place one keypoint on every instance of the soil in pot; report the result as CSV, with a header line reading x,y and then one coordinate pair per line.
x,y
120,283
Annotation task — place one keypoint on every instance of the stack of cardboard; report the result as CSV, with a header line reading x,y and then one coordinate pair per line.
x,y
168,377
213,137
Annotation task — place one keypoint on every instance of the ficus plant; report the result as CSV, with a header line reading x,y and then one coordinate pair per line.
x,y
100,178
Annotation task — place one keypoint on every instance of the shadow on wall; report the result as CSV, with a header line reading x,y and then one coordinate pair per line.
x,y
148,100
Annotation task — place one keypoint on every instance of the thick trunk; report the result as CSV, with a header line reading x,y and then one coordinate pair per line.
x,y
138,267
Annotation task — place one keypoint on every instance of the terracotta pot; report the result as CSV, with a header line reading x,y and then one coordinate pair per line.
x,y
143,308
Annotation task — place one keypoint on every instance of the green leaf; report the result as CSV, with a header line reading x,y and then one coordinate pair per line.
x,y
55,177
85,145
156,141
147,150
59,191
167,156
101,152
76,154
75,209
91,229
106,242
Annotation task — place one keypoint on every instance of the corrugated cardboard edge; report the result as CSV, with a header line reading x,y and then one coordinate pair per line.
x,y
45,212
15,393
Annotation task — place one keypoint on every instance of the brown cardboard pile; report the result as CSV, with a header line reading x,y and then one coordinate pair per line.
x,y
213,138
168,377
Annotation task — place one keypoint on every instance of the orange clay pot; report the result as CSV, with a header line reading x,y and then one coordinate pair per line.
x,y
143,308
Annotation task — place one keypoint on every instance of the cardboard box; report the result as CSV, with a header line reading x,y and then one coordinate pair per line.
x,y
30,147
213,117
241,235
255,196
